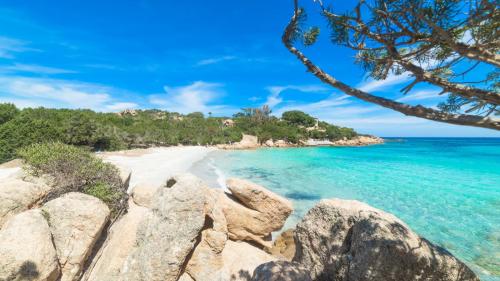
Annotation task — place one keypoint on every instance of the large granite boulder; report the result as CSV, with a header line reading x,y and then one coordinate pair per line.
x,y
18,195
253,212
349,240
206,261
121,240
26,249
280,271
247,142
76,221
169,233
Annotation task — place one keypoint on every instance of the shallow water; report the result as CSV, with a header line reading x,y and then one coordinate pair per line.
x,y
447,190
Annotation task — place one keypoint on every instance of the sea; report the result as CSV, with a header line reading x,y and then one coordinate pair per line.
x,y
446,189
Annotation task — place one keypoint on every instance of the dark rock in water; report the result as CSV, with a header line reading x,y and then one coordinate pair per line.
x,y
297,195
349,240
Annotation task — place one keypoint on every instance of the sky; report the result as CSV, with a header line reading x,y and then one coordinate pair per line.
x,y
186,56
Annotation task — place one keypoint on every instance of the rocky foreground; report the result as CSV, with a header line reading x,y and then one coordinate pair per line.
x,y
185,230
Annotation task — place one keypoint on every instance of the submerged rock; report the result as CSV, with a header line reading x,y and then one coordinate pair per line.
x,y
349,240
26,249
254,212
76,221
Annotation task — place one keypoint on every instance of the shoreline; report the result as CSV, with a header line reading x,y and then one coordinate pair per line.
x,y
154,166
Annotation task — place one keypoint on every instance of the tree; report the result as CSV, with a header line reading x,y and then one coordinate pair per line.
x,y
443,43
298,118
7,112
81,130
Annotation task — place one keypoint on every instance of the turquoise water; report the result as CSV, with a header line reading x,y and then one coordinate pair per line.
x,y
447,190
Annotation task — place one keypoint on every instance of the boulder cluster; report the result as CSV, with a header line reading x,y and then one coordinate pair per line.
x,y
185,230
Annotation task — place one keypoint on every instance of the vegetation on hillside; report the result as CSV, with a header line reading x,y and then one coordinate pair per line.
x,y
141,128
75,169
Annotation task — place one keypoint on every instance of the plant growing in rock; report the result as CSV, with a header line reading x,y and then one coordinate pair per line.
x,y
75,169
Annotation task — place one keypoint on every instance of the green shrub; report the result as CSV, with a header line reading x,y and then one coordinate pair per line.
x,y
76,169
7,112
299,118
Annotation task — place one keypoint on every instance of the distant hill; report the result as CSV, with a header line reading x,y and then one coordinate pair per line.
x,y
143,128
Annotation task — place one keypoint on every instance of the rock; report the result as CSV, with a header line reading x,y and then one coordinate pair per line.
x,y
168,234
284,245
359,141
260,199
206,263
281,143
247,142
17,195
125,176
269,143
260,212
185,277
280,271
240,260
26,249
76,221
143,194
349,240
121,241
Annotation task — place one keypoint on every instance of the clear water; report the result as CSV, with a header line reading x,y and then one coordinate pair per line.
x,y
447,190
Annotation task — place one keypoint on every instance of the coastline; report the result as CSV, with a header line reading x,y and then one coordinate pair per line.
x,y
154,166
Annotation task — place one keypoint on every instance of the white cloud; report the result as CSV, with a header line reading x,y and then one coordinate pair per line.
x,y
274,98
33,68
56,93
215,60
198,96
420,95
9,46
372,85
119,106
327,105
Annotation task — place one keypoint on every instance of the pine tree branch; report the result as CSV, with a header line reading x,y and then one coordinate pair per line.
x,y
409,110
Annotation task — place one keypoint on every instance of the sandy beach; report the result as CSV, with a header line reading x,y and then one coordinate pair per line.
x,y
153,166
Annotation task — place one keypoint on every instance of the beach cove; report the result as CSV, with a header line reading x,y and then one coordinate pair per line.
x,y
445,189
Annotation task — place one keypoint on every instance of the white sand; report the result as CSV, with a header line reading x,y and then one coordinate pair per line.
x,y
154,166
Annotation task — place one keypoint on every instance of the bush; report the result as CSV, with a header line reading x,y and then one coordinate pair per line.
x,y
7,112
75,169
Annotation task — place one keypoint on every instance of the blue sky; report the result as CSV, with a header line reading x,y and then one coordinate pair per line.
x,y
186,56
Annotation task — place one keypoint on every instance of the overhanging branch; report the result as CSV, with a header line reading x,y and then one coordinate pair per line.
x,y
409,110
